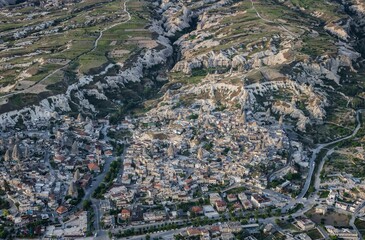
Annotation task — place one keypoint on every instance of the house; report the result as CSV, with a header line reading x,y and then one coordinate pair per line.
x,y
247,204
305,224
242,197
342,233
154,216
215,230
331,198
227,236
195,232
210,212
93,167
126,214
352,208
85,181
260,201
230,227
58,158
221,205
231,198
213,197
108,153
321,209
61,209
197,210
237,206
302,236
341,205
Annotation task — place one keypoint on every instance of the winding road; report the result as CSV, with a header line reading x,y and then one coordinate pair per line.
x,y
318,149
310,202
111,26
269,21
353,218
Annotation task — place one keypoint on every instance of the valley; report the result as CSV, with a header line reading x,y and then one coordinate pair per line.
x,y
181,119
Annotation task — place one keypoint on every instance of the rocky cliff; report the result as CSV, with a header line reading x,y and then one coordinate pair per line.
x,y
230,53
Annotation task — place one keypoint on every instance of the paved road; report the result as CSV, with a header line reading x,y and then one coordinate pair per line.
x,y
317,178
319,148
47,162
311,201
168,235
96,207
353,218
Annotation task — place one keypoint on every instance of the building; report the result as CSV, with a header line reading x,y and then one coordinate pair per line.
x,y
341,205
260,201
221,206
246,204
321,209
197,210
331,198
305,224
93,167
213,197
125,214
154,216
302,236
342,233
61,210
209,212
231,198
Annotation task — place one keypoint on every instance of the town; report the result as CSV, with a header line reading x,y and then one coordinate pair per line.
x,y
204,172
176,119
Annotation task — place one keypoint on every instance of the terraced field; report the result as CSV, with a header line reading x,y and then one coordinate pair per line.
x,y
77,38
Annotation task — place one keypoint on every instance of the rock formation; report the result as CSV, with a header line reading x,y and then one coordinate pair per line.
x,y
171,151
7,155
16,154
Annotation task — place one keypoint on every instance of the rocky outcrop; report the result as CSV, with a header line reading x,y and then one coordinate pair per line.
x,y
228,59
313,71
285,108
175,16
356,29
6,2
46,109
79,93
337,31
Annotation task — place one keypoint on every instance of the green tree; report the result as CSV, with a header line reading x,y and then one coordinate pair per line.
x,y
86,204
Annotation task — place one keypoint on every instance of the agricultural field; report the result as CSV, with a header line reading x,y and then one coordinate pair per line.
x,y
330,218
60,42
345,162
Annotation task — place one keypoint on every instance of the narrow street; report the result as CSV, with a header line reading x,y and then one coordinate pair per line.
x,y
353,219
